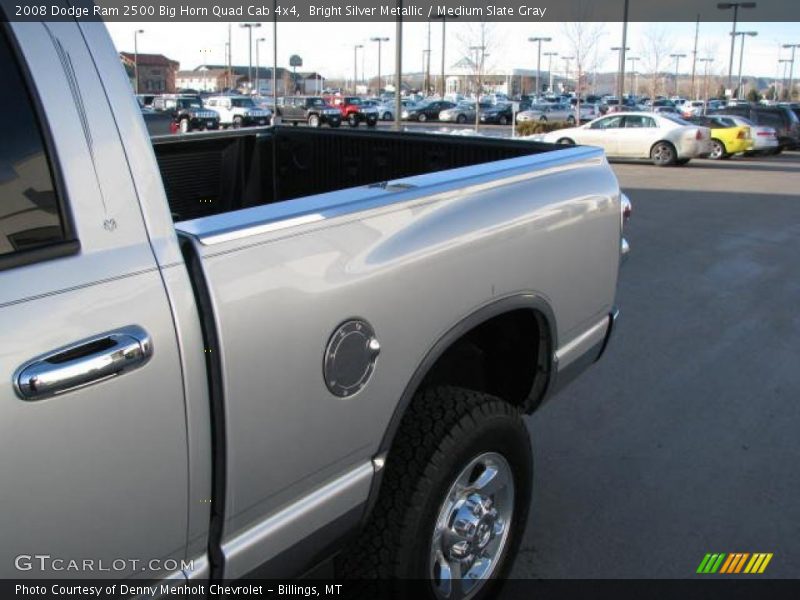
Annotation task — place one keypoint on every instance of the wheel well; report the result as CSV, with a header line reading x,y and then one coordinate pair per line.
x,y
507,356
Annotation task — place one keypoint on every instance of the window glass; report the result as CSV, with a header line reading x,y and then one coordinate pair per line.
x,y
608,123
29,212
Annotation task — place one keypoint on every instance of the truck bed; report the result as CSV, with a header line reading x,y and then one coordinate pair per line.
x,y
210,174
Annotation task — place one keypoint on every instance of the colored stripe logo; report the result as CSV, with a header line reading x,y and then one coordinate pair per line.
x,y
734,563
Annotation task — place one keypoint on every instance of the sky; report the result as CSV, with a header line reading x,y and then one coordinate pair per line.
x,y
328,47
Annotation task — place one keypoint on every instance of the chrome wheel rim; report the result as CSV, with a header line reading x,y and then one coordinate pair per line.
x,y
662,153
471,530
716,150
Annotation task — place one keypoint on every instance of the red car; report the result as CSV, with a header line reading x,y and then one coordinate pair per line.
x,y
353,111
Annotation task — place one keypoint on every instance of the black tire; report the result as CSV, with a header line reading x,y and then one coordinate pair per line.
x,y
717,150
566,142
352,120
372,122
237,122
461,119
314,121
683,161
443,430
663,154
503,120
387,116
423,117
570,120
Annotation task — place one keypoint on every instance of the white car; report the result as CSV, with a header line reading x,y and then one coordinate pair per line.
x,y
238,111
765,139
664,139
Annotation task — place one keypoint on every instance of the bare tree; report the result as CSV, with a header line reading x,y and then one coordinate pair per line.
x,y
656,49
479,48
583,37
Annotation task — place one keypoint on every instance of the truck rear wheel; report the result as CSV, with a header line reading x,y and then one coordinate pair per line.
x,y
454,498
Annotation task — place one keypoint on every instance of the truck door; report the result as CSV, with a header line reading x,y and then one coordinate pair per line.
x,y
93,448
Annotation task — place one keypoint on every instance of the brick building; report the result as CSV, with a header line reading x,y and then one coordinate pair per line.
x,y
157,73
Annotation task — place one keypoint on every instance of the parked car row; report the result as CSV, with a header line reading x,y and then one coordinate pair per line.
x,y
667,139
191,112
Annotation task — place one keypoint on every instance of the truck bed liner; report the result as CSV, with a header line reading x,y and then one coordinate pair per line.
x,y
209,174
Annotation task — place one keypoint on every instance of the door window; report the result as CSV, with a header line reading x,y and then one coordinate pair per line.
x,y
31,215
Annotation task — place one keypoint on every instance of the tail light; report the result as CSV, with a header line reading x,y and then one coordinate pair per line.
x,y
699,135
740,135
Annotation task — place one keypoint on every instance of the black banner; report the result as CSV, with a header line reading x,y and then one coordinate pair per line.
x,y
390,10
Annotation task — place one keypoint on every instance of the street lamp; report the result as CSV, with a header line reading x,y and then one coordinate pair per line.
x,y
735,6
258,67
444,21
791,68
741,58
677,58
566,60
621,74
633,60
355,66
550,56
249,27
539,40
380,41
785,62
705,81
136,59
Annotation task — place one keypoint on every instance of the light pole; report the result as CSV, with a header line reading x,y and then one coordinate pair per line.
x,y
550,56
566,60
621,74
444,21
136,59
428,64
785,62
705,81
735,6
380,41
355,66
258,65
677,58
426,59
633,60
539,40
741,58
622,50
249,27
791,68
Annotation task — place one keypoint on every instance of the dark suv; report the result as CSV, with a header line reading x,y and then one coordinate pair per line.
x,y
780,118
187,113
308,109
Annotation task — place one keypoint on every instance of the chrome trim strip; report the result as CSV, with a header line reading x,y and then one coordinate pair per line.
x,y
276,533
256,228
587,338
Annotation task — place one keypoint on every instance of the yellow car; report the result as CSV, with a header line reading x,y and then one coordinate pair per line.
x,y
725,139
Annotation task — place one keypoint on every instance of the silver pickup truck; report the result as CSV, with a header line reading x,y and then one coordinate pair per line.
x,y
247,353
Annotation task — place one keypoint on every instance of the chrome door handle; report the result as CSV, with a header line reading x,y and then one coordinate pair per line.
x,y
90,360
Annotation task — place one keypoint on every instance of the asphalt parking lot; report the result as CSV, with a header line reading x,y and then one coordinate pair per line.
x,y
685,438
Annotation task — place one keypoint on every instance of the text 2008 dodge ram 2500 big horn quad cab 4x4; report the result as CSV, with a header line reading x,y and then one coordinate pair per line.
x,y
241,349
